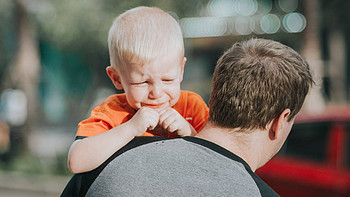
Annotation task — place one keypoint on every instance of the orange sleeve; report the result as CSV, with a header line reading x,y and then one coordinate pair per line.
x,y
192,107
104,117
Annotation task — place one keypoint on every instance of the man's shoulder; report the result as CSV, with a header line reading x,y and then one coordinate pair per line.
x,y
79,184
265,189
235,165
147,164
187,166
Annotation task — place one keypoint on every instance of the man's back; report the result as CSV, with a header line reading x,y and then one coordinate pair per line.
x,y
177,167
258,88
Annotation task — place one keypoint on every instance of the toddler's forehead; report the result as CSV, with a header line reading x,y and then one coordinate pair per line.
x,y
149,68
157,67
157,62
173,60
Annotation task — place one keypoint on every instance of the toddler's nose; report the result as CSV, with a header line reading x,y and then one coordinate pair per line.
x,y
155,91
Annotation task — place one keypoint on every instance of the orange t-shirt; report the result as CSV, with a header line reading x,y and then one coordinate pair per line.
x,y
115,110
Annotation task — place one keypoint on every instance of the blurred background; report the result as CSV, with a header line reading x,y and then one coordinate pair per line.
x,y
53,56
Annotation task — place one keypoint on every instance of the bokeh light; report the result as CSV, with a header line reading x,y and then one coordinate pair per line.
x,y
294,22
270,23
247,7
287,5
244,17
254,24
242,25
203,27
13,107
222,8
264,6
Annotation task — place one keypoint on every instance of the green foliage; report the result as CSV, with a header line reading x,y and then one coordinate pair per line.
x,y
75,24
7,38
29,164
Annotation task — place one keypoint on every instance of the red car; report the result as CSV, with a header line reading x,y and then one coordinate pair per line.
x,y
315,159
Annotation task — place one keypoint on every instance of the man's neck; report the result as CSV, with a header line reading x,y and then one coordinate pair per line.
x,y
244,145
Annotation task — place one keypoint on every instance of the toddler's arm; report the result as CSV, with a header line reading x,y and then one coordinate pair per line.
x,y
172,121
88,153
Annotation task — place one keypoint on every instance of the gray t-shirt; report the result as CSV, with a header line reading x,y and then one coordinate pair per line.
x,y
177,167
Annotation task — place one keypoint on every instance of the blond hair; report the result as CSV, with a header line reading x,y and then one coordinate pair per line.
x,y
141,34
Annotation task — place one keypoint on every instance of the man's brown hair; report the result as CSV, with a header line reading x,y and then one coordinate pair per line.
x,y
254,81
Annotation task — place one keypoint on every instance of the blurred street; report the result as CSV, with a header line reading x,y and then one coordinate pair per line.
x,y
54,54
45,144
23,185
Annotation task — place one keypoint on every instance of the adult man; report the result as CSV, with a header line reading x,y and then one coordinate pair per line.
x,y
258,88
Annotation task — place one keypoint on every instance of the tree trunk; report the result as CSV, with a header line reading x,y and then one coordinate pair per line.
x,y
312,52
25,68
337,67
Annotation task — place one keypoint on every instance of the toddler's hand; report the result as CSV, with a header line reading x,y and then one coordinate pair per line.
x,y
172,121
145,118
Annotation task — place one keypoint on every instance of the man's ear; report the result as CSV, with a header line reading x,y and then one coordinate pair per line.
x,y
276,126
114,76
183,68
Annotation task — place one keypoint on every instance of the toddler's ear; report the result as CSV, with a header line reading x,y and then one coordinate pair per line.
x,y
114,76
183,67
